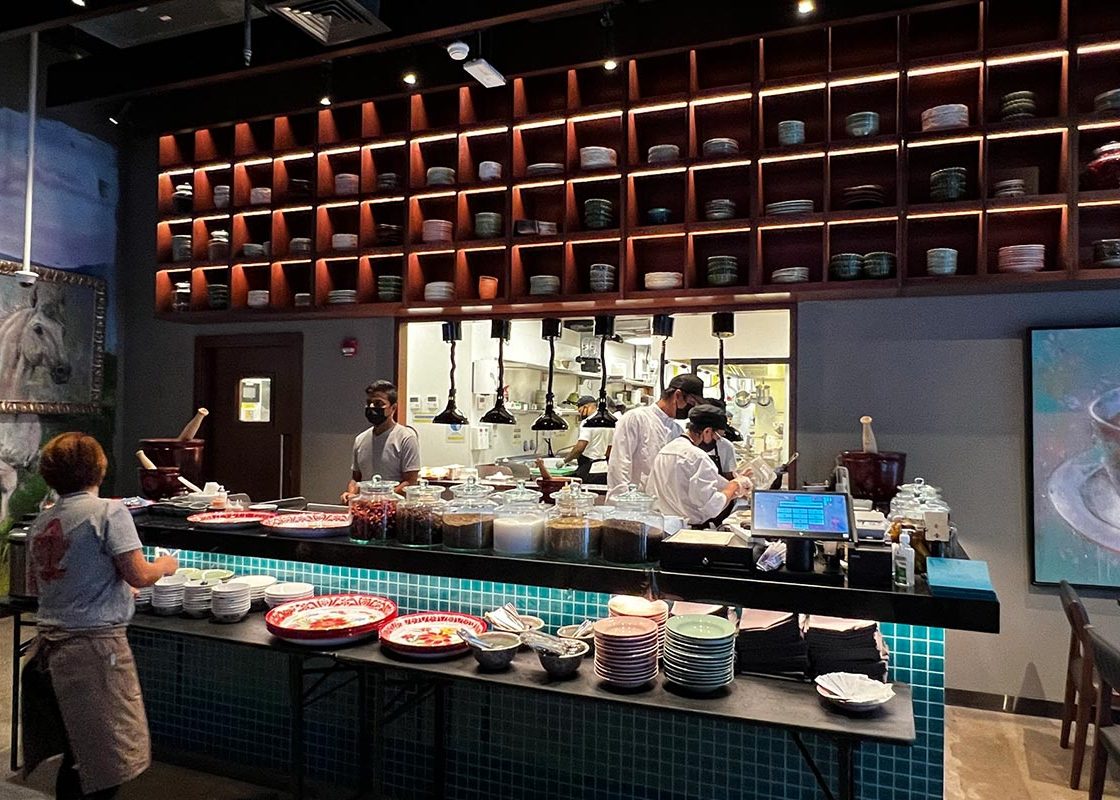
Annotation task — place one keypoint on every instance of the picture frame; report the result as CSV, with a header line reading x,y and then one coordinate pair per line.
x,y
52,342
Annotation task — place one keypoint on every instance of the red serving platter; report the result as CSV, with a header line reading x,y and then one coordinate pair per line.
x,y
429,632
229,519
330,617
308,524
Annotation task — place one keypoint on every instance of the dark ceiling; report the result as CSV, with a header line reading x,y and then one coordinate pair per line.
x,y
170,82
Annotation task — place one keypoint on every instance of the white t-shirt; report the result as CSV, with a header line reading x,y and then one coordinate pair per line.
x,y
598,440
638,437
726,452
390,454
684,480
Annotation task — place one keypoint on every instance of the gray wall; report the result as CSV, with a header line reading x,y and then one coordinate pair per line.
x,y
943,378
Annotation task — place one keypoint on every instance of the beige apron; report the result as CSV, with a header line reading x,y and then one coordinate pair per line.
x,y
93,676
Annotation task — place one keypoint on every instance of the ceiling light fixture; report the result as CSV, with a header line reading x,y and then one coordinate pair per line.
x,y
610,65
79,3
114,120
410,78
452,333
663,328
485,73
500,329
325,100
603,418
723,327
805,7
550,420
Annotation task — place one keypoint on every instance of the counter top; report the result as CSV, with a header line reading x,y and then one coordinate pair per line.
x,y
915,606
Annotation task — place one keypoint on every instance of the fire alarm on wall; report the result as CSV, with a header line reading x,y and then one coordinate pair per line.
x,y
349,347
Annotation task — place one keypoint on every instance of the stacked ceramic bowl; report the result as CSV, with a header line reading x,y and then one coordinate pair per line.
x,y
845,266
196,598
879,264
625,605
534,227
1022,258
387,233
719,208
389,288
221,195
544,284
663,280
945,117
344,241
257,298
941,261
659,215
862,123
626,650
299,187
260,196
439,291
1107,101
489,171
542,168
723,270
436,230
663,153
440,176
720,147
1106,253
182,199
342,297
386,181
700,652
948,184
597,157
487,224
598,213
279,593
347,183
790,207
181,247
1017,105
143,598
867,195
230,602
603,277
1012,187
791,131
300,245
182,298
167,595
301,299
217,295
217,248
252,250
790,275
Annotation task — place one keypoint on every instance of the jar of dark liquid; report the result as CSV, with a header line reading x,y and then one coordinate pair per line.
x,y
374,511
573,531
468,519
632,532
420,516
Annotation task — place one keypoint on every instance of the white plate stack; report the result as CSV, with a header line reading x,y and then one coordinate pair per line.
x,y
279,593
1022,258
597,157
945,117
790,207
167,595
342,297
436,230
700,652
260,195
344,241
143,598
257,298
300,245
790,275
544,168
196,598
663,153
719,147
257,585
664,280
346,183
657,611
626,651
438,291
230,602
1012,187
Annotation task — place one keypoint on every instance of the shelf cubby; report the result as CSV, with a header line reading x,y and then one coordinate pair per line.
x,y
847,170
956,85
863,237
655,126
374,214
795,55
165,287
483,262
295,131
807,105
201,279
1087,143
1094,18
214,144
579,258
1045,77
532,259
202,229
176,149
475,202
539,142
923,161
544,201
1040,160
878,95
253,138
255,173
340,273
660,76
339,124
423,268
166,188
732,243
1037,226
436,150
164,231
486,144
724,66
540,94
793,179
337,218
1012,23
657,190
250,227
958,231
294,179
719,183
287,225
791,246
435,110
942,32
248,277
865,45
437,205
383,264
481,106
385,157
580,191
656,253
589,87
286,280
388,117
205,179
602,129
722,117
1095,222
1097,72
335,161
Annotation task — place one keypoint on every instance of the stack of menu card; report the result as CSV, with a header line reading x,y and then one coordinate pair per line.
x,y
770,643
846,645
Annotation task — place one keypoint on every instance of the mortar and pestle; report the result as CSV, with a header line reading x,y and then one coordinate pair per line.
x,y
184,452
874,475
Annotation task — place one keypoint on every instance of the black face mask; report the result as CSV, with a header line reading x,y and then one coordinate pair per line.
x,y
708,447
682,413
375,415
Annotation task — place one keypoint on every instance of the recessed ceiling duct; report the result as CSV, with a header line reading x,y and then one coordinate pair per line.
x,y
332,22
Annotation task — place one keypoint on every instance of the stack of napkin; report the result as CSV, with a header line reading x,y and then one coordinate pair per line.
x,y
770,643
846,645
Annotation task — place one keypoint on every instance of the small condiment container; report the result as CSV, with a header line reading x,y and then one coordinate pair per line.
x,y
632,531
420,515
468,519
374,511
519,523
573,530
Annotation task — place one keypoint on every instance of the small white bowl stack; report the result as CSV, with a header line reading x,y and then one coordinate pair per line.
x,y
1022,258
143,598
230,602
664,280
279,593
196,598
346,183
436,230
437,291
597,157
626,651
945,117
167,595
700,652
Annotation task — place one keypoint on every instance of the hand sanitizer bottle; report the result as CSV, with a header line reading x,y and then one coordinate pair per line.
x,y
904,562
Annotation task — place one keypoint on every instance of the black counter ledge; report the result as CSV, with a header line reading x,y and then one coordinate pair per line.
x,y
909,607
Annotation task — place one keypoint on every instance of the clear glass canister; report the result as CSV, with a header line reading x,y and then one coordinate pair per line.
x,y
519,524
420,516
468,519
573,531
632,530
374,511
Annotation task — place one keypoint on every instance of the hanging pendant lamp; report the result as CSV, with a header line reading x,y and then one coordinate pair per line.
x,y
499,415
550,420
723,327
452,332
603,418
663,327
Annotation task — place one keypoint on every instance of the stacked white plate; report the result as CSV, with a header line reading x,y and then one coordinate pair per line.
x,y
720,208
662,153
700,652
720,146
544,284
196,598
623,605
143,598
597,157
941,261
167,595
790,275
626,651
230,602
258,298
344,241
945,117
257,585
544,168
790,207
260,195
1022,258
346,183
664,280
437,291
279,593
1012,187
436,230
337,297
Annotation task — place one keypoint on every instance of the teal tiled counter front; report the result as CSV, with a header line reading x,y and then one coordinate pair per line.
x,y
230,702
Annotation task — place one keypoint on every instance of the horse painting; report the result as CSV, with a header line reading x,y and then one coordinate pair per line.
x,y
33,347
20,435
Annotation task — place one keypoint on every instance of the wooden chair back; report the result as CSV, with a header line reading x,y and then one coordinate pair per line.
x,y
1106,658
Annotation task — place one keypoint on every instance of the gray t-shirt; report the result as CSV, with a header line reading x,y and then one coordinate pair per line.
x,y
390,454
71,549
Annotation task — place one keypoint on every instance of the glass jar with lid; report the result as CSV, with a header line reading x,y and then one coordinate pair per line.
x,y
519,524
573,531
468,519
374,511
632,530
420,516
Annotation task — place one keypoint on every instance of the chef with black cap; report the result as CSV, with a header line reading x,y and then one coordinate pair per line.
x,y
591,450
684,479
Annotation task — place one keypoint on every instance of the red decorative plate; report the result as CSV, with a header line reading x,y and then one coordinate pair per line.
x,y
330,619
230,520
429,633
308,525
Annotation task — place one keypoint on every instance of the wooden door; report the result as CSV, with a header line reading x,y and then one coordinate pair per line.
x,y
253,387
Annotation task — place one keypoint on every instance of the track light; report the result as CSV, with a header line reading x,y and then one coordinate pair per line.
x,y
79,3
500,329
114,120
410,78
550,420
603,418
325,100
805,7
452,333
610,65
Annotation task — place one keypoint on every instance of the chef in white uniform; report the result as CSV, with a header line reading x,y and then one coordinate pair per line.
x,y
642,432
684,478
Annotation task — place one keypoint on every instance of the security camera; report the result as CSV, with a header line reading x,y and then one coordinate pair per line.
x,y
458,50
26,277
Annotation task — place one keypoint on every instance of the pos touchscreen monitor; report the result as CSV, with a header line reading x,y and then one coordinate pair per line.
x,y
819,516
